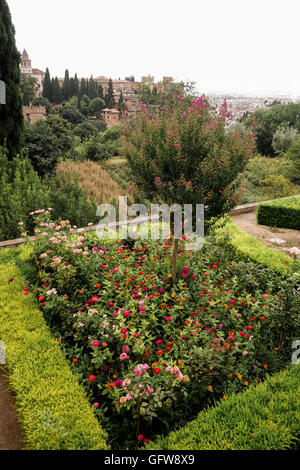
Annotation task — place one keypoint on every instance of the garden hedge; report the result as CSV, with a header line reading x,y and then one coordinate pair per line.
x,y
52,407
249,247
265,417
284,213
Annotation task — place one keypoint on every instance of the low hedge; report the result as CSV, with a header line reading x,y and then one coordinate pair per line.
x,y
248,246
52,407
265,417
284,213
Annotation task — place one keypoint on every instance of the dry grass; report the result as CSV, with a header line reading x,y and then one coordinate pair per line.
x,y
94,178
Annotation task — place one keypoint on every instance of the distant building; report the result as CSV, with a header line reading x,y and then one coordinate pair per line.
x,y
26,69
34,113
111,116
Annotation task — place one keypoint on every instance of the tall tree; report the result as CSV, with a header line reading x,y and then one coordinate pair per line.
x,y
57,98
100,92
47,86
72,87
83,88
76,85
28,88
66,86
92,90
109,96
11,113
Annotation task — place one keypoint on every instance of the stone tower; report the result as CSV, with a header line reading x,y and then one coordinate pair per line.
x,y
26,63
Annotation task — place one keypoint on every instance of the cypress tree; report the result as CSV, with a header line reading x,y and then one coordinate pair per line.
x,y
83,90
72,88
100,92
47,86
56,92
66,86
11,113
92,91
76,85
109,97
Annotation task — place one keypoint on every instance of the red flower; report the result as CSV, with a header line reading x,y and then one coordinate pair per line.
x,y
156,371
140,437
75,360
92,378
11,279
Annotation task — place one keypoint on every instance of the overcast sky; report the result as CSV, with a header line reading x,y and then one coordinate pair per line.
x,y
234,46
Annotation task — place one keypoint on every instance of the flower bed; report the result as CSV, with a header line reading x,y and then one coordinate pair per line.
x,y
52,408
151,353
283,213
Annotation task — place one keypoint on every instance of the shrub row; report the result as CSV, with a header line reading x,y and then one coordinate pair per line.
x,y
282,213
265,417
247,246
52,408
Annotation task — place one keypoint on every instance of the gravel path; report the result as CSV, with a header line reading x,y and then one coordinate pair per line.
x,y
10,433
280,238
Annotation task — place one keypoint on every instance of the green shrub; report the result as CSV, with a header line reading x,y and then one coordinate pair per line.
x,y
293,154
52,408
280,213
277,186
248,247
265,417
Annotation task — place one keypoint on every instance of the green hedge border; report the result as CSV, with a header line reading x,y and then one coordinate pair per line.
x,y
265,417
282,213
52,408
248,246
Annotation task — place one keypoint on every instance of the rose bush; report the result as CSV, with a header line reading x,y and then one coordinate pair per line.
x,y
152,353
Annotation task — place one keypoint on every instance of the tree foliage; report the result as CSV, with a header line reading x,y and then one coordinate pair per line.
x,y
11,114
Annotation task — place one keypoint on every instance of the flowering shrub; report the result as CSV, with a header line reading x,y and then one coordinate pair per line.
x,y
186,155
152,353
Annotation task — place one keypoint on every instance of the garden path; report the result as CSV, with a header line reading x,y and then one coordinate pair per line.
x,y
272,237
10,433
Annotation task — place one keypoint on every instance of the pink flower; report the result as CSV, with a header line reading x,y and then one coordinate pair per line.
x,y
185,271
96,344
137,335
96,405
125,349
218,340
123,356
104,345
126,314
168,319
140,437
138,372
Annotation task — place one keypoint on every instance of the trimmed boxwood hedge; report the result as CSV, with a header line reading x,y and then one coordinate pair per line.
x,y
284,213
248,247
265,417
52,407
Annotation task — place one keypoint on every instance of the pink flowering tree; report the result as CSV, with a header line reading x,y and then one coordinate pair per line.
x,y
187,155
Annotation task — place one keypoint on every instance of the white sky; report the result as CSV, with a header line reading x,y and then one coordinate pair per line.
x,y
237,46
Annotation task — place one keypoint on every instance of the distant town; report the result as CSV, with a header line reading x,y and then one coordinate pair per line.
x,y
239,106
